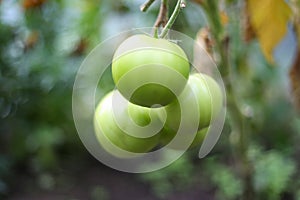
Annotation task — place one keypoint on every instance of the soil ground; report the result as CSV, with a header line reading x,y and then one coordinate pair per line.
x,y
92,180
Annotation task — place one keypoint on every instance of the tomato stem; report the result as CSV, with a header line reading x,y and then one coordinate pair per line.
x,y
180,5
162,17
155,35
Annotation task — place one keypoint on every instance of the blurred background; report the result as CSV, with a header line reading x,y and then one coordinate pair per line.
x,y
42,44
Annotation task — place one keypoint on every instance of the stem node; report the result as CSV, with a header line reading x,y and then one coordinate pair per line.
x,y
182,4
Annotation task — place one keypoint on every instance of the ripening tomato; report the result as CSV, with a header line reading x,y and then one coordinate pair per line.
x,y
149,71
113,127
199,104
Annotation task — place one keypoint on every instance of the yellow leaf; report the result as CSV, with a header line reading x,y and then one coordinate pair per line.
x,y
269,20
224,18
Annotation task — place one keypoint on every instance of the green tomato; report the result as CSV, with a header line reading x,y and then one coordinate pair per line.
x,y
201,101
168,135
149,71
113,128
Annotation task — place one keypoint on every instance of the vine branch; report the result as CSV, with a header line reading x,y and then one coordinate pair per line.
x,y
162,17
144,7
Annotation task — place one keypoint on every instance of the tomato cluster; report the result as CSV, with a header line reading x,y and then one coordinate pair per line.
x,y
155,92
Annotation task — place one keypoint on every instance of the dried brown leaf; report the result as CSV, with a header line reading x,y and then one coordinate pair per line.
x,y
295,81
203,52
199,1
249,33
31,40
80,47
27,4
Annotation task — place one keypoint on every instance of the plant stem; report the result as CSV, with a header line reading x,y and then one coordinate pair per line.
x,y
172,19
237,119
146,5
239,124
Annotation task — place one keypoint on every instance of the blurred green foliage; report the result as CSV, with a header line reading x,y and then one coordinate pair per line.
x,y
178,176
229,185
99,193
273,172
41,49
36,80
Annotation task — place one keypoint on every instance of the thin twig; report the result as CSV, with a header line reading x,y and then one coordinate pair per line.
x,y
162,17
144,7
172,19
